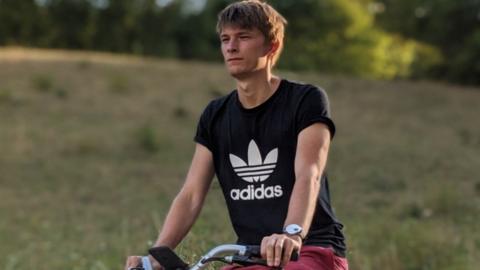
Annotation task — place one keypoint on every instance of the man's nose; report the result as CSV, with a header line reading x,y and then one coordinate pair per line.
x,y
232,46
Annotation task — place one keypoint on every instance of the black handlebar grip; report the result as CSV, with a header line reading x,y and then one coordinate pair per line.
x,y
294,256
248,261
254,251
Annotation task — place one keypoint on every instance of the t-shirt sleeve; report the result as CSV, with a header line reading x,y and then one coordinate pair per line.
x,y
314,108
202,135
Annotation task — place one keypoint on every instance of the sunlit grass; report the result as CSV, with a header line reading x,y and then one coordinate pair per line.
x,y
89,167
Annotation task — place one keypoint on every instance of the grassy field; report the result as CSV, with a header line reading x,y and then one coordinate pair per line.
x,y
95,146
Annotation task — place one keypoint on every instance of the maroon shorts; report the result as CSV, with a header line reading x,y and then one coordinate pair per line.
x,y
311,258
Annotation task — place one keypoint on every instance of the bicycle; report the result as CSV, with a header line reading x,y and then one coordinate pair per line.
x,y
230,254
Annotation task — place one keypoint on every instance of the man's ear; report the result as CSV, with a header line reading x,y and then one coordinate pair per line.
x,y
274,47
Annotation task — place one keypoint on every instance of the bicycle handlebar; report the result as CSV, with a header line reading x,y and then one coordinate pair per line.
x,y
240,254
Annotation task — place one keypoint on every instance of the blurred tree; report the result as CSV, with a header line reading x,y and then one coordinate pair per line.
x,y
372,38
21,23
196,36
156,29
452,26
340,36
71,24
115,26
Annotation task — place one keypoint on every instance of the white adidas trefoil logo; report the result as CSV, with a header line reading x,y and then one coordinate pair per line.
x,y
256,170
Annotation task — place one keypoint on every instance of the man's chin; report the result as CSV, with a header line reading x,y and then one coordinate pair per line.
x,y
238,74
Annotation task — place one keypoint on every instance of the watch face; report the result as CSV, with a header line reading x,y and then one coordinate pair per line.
x,y
293,229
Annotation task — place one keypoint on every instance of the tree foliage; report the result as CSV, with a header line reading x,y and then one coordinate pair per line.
x,y
379,39
451,26
340,36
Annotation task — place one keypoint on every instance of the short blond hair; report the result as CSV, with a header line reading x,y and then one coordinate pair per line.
x,y
251,14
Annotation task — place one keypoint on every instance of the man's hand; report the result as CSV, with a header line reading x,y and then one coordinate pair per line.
x,y
136,261
277,248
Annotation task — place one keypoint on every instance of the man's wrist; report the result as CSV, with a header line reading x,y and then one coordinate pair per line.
x,y
294,237
293,229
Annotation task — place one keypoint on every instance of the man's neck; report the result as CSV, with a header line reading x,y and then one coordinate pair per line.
x,y
256,89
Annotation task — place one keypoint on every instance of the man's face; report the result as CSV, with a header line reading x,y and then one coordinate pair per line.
x,y
244,50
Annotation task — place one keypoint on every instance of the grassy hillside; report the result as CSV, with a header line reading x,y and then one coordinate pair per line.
x,y
94,147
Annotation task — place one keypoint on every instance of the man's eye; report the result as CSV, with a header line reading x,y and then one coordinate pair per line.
x,y
244,37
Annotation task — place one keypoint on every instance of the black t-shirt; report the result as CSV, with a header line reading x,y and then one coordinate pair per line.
x,y
254,152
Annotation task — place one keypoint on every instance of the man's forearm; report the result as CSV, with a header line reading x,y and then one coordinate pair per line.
x,y
310,162
189,201
180,218
303,201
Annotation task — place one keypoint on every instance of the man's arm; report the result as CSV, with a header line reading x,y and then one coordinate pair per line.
x,y
310,160
187,204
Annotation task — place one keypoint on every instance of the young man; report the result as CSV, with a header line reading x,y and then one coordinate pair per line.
x,y
267,142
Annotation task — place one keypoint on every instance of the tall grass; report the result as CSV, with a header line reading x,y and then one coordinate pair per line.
x,y
87,175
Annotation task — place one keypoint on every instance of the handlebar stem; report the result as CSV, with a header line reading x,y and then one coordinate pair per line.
x,y
238,249
146,264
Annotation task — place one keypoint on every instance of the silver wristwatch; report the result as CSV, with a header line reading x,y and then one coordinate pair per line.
x,y
293,229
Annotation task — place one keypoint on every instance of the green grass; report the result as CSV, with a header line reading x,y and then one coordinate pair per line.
x,y
93,152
